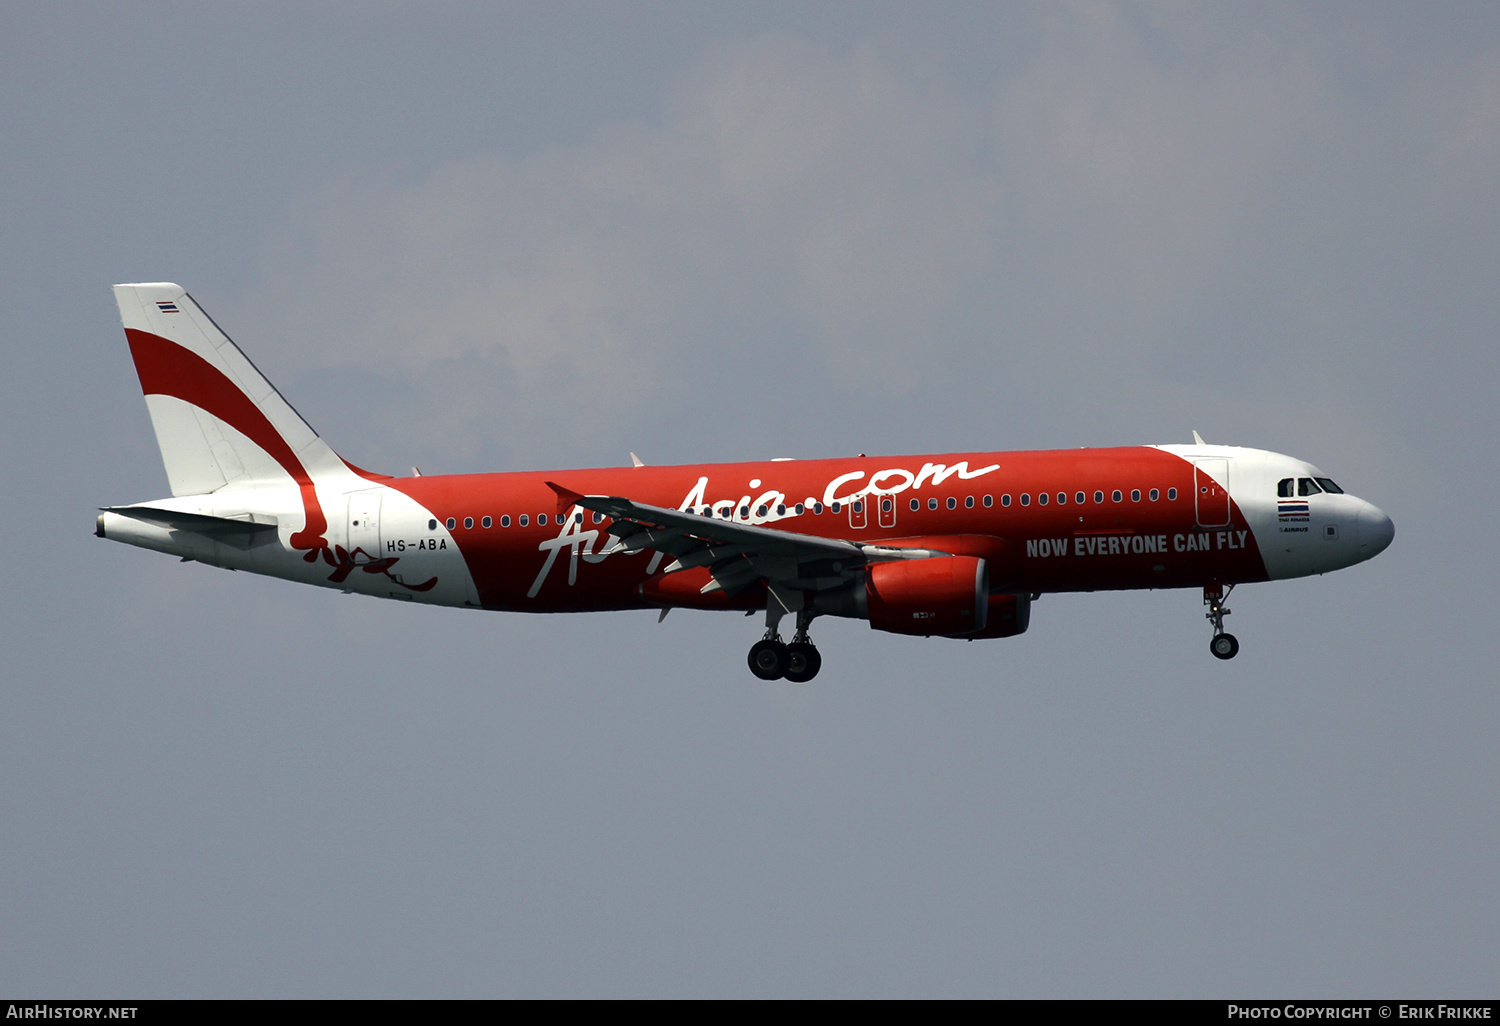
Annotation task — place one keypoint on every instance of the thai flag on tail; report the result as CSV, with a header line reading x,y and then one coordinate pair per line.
x,y
167,307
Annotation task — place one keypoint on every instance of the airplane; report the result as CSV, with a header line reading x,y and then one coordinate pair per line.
x,y
957,545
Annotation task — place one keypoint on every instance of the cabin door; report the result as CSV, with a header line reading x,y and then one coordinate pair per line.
x,y
1211,492
364,523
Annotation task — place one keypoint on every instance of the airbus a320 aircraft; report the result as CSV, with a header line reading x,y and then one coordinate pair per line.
x,y
956,545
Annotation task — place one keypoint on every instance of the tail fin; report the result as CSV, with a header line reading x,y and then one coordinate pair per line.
x,y
217,420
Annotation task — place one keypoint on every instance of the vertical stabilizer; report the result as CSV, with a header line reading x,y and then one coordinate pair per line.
x,y
218,421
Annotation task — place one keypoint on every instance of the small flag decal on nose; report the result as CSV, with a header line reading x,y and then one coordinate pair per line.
x,y
1286,510
166,307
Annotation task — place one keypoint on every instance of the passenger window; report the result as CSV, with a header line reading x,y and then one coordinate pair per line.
x,y
487,522
817,508
1329,486
800,509
932,503
1135,495
1098,497
988,502
1284,488
1025,499
1062,498
1081,498
916,504
505,520
525,520
781,509
1041,499
432,525
760,511
1307,486
835,507
859,506
968,502
452,523
1005,499
1155,495
541,519
952,502
1115,495
1171,494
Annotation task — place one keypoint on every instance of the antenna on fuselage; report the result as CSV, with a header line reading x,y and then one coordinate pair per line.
x,y
1198,439
635,461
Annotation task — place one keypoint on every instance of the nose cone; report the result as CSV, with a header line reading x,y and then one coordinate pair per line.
x,y
1375,532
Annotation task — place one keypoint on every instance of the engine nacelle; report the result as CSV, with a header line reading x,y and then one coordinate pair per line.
x,y
1008,616
941,595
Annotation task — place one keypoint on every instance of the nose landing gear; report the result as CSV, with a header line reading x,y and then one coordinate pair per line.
x,y
1223,646
771,659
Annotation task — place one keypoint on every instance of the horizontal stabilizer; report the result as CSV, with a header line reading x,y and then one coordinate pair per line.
x,y
231,530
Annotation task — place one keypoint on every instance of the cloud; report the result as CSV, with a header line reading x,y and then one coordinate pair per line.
x,y
804,222
785,183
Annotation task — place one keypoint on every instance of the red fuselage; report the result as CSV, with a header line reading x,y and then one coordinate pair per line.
x,y
1064,545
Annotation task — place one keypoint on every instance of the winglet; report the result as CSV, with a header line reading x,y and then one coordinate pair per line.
x,y
566,499
1198,439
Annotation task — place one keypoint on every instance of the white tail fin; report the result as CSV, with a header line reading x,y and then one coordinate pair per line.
x,y
217,420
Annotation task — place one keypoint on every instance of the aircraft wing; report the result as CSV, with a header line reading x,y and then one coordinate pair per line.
x,y
736,554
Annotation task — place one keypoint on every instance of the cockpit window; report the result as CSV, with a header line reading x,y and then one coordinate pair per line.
x,y
1329,486
1307,486
1284,488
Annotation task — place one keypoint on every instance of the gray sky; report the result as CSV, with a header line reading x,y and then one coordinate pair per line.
x,y
496,237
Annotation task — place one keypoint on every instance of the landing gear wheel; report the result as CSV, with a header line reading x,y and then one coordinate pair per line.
x,y
1224,646
769,659
803,662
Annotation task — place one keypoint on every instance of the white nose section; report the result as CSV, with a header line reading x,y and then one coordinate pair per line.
x,y
1375,532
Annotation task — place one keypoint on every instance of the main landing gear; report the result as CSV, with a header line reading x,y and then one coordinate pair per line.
x,y
772,659
1223,646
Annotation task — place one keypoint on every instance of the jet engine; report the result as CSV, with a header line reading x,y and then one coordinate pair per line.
x,y
936,595
1008,616
939,595
947,596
